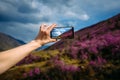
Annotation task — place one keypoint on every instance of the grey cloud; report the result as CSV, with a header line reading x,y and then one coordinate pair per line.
x,y
24,15
25,32
35,11
27,11
54,3
17,12
23,6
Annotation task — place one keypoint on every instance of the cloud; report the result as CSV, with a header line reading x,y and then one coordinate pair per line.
x,y
22,31
35,11
22,18
27,11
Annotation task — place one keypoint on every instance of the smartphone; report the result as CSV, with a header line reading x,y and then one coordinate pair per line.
x,y
62,33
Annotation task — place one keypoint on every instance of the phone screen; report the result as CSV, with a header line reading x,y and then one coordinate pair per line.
x,y
62,33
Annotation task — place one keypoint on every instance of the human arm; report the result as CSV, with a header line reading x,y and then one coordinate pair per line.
x,y
10,57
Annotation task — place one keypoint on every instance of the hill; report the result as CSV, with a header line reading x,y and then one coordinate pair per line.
x,y
97,30
8,42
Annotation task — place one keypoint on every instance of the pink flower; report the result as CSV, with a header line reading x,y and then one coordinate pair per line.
x,y
84,56
37,71
31,73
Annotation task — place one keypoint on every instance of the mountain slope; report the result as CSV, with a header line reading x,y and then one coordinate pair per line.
x,y
94,31
8,42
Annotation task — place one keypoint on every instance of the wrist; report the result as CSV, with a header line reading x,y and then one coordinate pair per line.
x,y
36,43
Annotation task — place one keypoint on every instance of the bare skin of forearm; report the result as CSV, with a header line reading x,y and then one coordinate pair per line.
x,y
13,56
10,57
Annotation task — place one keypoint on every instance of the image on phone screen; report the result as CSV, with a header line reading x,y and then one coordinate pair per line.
x,y
62,33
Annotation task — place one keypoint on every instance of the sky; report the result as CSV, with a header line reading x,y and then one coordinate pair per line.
x,y
22,18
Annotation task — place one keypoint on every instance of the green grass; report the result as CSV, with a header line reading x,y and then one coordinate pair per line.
x,y
48,68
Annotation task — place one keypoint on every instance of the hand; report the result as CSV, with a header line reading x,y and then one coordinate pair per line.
x,y
43,36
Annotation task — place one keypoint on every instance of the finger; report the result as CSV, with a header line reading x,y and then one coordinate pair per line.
x,y
51,27
43,27
53,40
